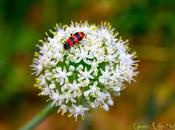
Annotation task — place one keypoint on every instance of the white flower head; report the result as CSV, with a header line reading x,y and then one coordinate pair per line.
x,y
86,75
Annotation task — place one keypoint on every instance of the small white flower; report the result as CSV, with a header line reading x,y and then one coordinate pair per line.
x,y
41,80
93,90
106,75
83,55
37,68
78,110
63,109
86,75
61,75
45,90
74,88
56,97
94,67
68,97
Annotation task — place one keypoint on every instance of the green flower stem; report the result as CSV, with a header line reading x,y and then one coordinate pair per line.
x,y
39,118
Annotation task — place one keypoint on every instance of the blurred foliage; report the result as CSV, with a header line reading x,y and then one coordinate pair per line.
x,y
149,24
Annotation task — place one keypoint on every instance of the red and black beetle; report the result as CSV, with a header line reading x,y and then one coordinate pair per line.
x,y
75,38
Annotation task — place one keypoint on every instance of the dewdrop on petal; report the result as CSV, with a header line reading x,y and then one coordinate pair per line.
x,y
86,75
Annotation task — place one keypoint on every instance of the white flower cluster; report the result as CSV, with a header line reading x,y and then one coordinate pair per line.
x,y
85,75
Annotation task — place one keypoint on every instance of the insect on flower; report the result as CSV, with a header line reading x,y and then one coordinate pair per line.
x,y
75,38
86,77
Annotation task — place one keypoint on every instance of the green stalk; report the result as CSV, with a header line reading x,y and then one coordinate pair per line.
x,y
38,118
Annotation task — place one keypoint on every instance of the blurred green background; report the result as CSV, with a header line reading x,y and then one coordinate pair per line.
x,y
148,24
